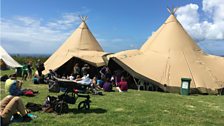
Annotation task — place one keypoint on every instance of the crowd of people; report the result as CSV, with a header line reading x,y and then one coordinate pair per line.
x,y
102,80
27,69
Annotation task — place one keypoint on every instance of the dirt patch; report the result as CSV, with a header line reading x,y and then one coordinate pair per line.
x,y
119,110
190,107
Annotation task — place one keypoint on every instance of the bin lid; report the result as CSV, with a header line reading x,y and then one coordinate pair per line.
x,y
185,79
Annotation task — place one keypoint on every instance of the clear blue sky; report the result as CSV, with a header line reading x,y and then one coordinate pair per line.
x,y
127,23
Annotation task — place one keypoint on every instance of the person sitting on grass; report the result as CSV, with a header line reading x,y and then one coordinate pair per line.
x,y
107,86
95,85
100,82
42,80
122,85
86,80
11,105
36,79
13,86
50,76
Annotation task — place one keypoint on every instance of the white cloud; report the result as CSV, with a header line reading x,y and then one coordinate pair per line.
x,y
27,21
67,20
36,35
200,28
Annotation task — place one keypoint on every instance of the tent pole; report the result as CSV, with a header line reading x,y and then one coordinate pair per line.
x,y
135,81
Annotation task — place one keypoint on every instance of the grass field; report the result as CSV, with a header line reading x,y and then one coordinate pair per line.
x,y
131,108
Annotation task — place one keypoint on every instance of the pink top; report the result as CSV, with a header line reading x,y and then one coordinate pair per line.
x,y
123,85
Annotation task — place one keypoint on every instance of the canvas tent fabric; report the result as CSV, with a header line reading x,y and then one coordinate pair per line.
x,y
7,60
82,45
169,55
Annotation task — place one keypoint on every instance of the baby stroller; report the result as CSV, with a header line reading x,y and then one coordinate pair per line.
x,y
73,91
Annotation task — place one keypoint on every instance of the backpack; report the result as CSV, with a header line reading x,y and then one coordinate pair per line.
x,y
50,101
4,78
33,106
29,92
49,104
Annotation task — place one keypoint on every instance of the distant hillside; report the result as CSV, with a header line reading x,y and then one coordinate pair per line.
x,y
31,55
22,59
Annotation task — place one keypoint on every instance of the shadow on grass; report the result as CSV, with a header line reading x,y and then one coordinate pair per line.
x,y
91,110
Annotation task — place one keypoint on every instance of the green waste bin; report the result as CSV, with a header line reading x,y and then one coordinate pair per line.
x,y
185,86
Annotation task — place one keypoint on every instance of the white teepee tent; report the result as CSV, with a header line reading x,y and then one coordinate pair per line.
x,y
7,61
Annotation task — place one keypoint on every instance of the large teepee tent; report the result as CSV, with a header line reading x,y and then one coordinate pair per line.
x,y
81,45
169,55
7,61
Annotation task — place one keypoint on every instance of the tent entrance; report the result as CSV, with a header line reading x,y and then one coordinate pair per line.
x,y
67,68
3,66
133,80
116,68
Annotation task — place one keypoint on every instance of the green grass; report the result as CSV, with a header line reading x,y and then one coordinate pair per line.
x,y
132,108
8,72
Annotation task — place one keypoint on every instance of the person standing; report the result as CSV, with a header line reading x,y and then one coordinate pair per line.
x,y
24,71
85,69
76,70
117,76
29,66
103,73
40,67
